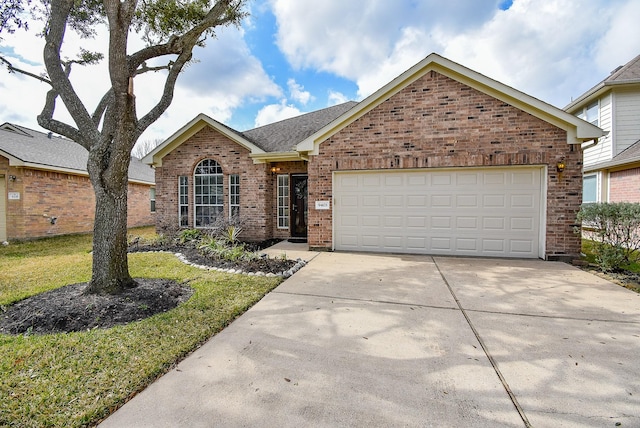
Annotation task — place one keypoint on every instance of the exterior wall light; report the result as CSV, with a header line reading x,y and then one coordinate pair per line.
x,y
274,170
560,166
12,177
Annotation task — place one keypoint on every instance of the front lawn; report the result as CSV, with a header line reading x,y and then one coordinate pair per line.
x,y
77,379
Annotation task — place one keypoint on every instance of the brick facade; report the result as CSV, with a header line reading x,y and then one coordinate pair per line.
x,y
624,186
439,122
68,198
256,183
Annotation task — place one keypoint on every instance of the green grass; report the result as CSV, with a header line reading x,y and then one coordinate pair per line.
x,y
76,379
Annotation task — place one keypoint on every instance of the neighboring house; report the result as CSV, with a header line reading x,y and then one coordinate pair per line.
x,y
45,188
442,160
612,167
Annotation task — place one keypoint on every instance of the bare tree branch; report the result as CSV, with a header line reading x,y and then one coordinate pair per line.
x,y
54,36
13,69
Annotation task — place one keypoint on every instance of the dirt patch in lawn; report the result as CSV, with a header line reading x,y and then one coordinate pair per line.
x,y
67,309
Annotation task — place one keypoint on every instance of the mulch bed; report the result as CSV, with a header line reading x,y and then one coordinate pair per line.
x,y
67,309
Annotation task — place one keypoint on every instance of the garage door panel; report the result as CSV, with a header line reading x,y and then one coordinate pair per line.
x,y
441,243
522,224
371,201
441,201
494,201
476,212
416,221
522,201
493,223
393,201
493,246
467,201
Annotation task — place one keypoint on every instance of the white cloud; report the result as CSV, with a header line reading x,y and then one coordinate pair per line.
x,y
551,49
622,36
224,77
336,98
275,112
297,92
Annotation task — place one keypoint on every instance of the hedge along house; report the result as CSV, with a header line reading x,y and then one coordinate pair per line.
x,y
45,188
442,160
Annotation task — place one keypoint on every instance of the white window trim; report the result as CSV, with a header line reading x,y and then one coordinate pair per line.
x,y
597,178
195,188
180,204
286,219
233,185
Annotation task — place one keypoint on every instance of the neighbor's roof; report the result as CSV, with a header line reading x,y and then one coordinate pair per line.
x,y
26,147
628,156
628,74
273,142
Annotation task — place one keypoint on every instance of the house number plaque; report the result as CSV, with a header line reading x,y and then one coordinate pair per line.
x,y
13,196
322,205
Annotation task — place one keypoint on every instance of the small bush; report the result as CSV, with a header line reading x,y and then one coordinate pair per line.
x,y
615,230
189,235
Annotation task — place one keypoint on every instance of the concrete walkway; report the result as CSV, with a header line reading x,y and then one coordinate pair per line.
x,y
383,341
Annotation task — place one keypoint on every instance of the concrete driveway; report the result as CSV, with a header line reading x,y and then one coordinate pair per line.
x,y
384,340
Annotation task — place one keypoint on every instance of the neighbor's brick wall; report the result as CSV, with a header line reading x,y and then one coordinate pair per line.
x,y
255,182
624,186
139,206
439,122
69,198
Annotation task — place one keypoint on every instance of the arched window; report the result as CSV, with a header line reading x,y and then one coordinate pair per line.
x,y
208,189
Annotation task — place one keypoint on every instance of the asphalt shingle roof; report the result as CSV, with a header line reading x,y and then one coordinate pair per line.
x,y
628,72
50,151
282,136
631,153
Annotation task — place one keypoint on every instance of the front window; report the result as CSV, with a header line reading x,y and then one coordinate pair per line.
x,y
152,197
234,195
209,193
283,202
590,189
183,199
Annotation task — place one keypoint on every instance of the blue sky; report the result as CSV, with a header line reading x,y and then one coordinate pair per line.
x,y
295,56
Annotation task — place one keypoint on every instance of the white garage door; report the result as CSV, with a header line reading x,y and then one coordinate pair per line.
x,y
494,212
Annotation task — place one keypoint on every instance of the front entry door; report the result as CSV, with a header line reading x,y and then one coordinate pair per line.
x,y
299,206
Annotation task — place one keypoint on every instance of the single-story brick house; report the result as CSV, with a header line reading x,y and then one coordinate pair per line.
x,y
45,188
441,160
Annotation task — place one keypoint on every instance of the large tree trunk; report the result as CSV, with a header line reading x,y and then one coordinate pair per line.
x,y
110,266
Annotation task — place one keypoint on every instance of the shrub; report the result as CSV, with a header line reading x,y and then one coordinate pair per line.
x,y
189,235
615,230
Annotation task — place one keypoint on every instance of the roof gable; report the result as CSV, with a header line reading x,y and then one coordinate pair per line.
x,y
273,142
190,129
577,130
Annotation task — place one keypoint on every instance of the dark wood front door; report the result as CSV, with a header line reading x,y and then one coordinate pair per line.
x,y
299,206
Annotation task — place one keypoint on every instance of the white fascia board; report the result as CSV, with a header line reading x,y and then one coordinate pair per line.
x,y
277,157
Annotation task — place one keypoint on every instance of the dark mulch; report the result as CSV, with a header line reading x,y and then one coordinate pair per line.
x,y
67,309
626,279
